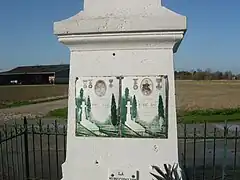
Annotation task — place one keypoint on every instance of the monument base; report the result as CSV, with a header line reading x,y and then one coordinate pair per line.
x,y
72,172
94,157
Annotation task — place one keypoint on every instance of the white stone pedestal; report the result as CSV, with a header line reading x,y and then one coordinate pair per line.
x,y
121,51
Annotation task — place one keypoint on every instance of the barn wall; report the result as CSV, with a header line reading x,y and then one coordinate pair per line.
x,y
25,79
62,77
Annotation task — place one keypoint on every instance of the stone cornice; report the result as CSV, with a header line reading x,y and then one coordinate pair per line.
x,y
110,41
80,25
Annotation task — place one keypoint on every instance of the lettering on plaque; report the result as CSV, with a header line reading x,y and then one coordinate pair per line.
x,y
120,175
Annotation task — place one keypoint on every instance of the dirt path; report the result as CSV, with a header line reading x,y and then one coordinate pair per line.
x,y
31,111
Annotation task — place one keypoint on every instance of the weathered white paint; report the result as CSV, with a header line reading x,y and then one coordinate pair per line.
x,y
101,45
107,16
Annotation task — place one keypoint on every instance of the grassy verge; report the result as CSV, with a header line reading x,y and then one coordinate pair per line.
x,y
58,113
210,115
210,118
197,116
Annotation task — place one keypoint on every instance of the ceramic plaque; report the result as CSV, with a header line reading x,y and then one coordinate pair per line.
x,y
144,106
96,106
130,107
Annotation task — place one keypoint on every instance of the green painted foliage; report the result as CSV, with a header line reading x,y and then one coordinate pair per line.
x,y
134,107
88,107
160,107
114,118
81,96
124,101
79,99
78,104
126,93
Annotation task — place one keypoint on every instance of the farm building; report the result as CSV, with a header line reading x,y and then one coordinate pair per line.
x,y
42,74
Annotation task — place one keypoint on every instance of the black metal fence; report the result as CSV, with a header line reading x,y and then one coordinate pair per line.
x,y
37,151
32,151
210,153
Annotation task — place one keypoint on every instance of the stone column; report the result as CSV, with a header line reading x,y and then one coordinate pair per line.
x,y
134,39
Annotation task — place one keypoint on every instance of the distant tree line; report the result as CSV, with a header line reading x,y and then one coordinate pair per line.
x,y
206,75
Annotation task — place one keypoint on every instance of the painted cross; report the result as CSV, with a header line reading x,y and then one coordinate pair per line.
x,y
128,106
83,106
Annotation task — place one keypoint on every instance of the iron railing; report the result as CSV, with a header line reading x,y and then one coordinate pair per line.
x,y
30,150
210,153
